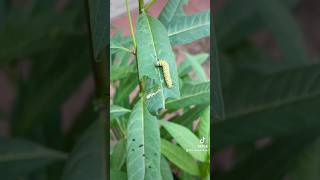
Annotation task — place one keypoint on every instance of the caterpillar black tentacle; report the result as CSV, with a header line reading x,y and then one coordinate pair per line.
x,y
166,72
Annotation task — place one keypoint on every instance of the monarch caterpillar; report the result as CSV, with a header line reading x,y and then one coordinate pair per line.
x,y
166,72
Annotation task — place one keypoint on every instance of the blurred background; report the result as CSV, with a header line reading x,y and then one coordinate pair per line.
x,y
269,66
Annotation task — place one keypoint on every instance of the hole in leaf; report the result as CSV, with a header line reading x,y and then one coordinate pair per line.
x,y
141,145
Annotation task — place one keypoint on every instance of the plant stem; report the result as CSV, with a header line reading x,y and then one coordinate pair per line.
x,y
149,4
131,27
141,6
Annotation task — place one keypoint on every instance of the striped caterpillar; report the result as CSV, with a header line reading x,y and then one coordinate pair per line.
x,y
166,72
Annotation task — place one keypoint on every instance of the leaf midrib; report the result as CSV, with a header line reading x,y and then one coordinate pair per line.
x,y
273,105
187,29
157,69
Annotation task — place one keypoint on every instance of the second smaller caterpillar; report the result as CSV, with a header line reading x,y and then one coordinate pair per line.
x,y
166,72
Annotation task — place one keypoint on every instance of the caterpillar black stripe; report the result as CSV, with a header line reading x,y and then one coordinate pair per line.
x,y
166,72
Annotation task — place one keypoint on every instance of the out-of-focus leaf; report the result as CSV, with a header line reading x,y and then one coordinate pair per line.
x,y
185,138
99,25
143,144
127,85
186,66
218,104
171,11
118,155
49,84
81,122
196,67
119,72
307,164
276,158
191,94
153,45
285,30
242,19
25,37
186,119
88,158
186,29
117,111
165,169
179,157
118,175
20,157
269,106
3,12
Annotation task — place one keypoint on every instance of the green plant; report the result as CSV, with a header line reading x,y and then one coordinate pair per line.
x,y
266,97
141,138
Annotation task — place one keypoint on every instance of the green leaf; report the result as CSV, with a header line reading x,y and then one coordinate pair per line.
x,y
117,111
204,124
186,29
191,94
120,72
307,164
99,25
21,157
185,138
179,157
88,158
218,104
127,85
153,45
278,105
143,144
287,35
187,65
171,11
118,155
118,175
199,71
165,169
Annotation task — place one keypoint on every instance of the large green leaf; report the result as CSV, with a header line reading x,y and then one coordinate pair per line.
x,y
270,106
285,30
192,62
117,111
99,25
118,155
153,45
179,157
186,29
165,169
307,164
88,158
172,10
191,94
21,157
143,144
186,139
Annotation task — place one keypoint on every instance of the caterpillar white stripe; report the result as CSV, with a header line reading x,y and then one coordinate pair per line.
x,y
166,72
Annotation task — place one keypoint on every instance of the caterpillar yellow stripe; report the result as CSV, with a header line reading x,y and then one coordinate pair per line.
x,y
166,72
